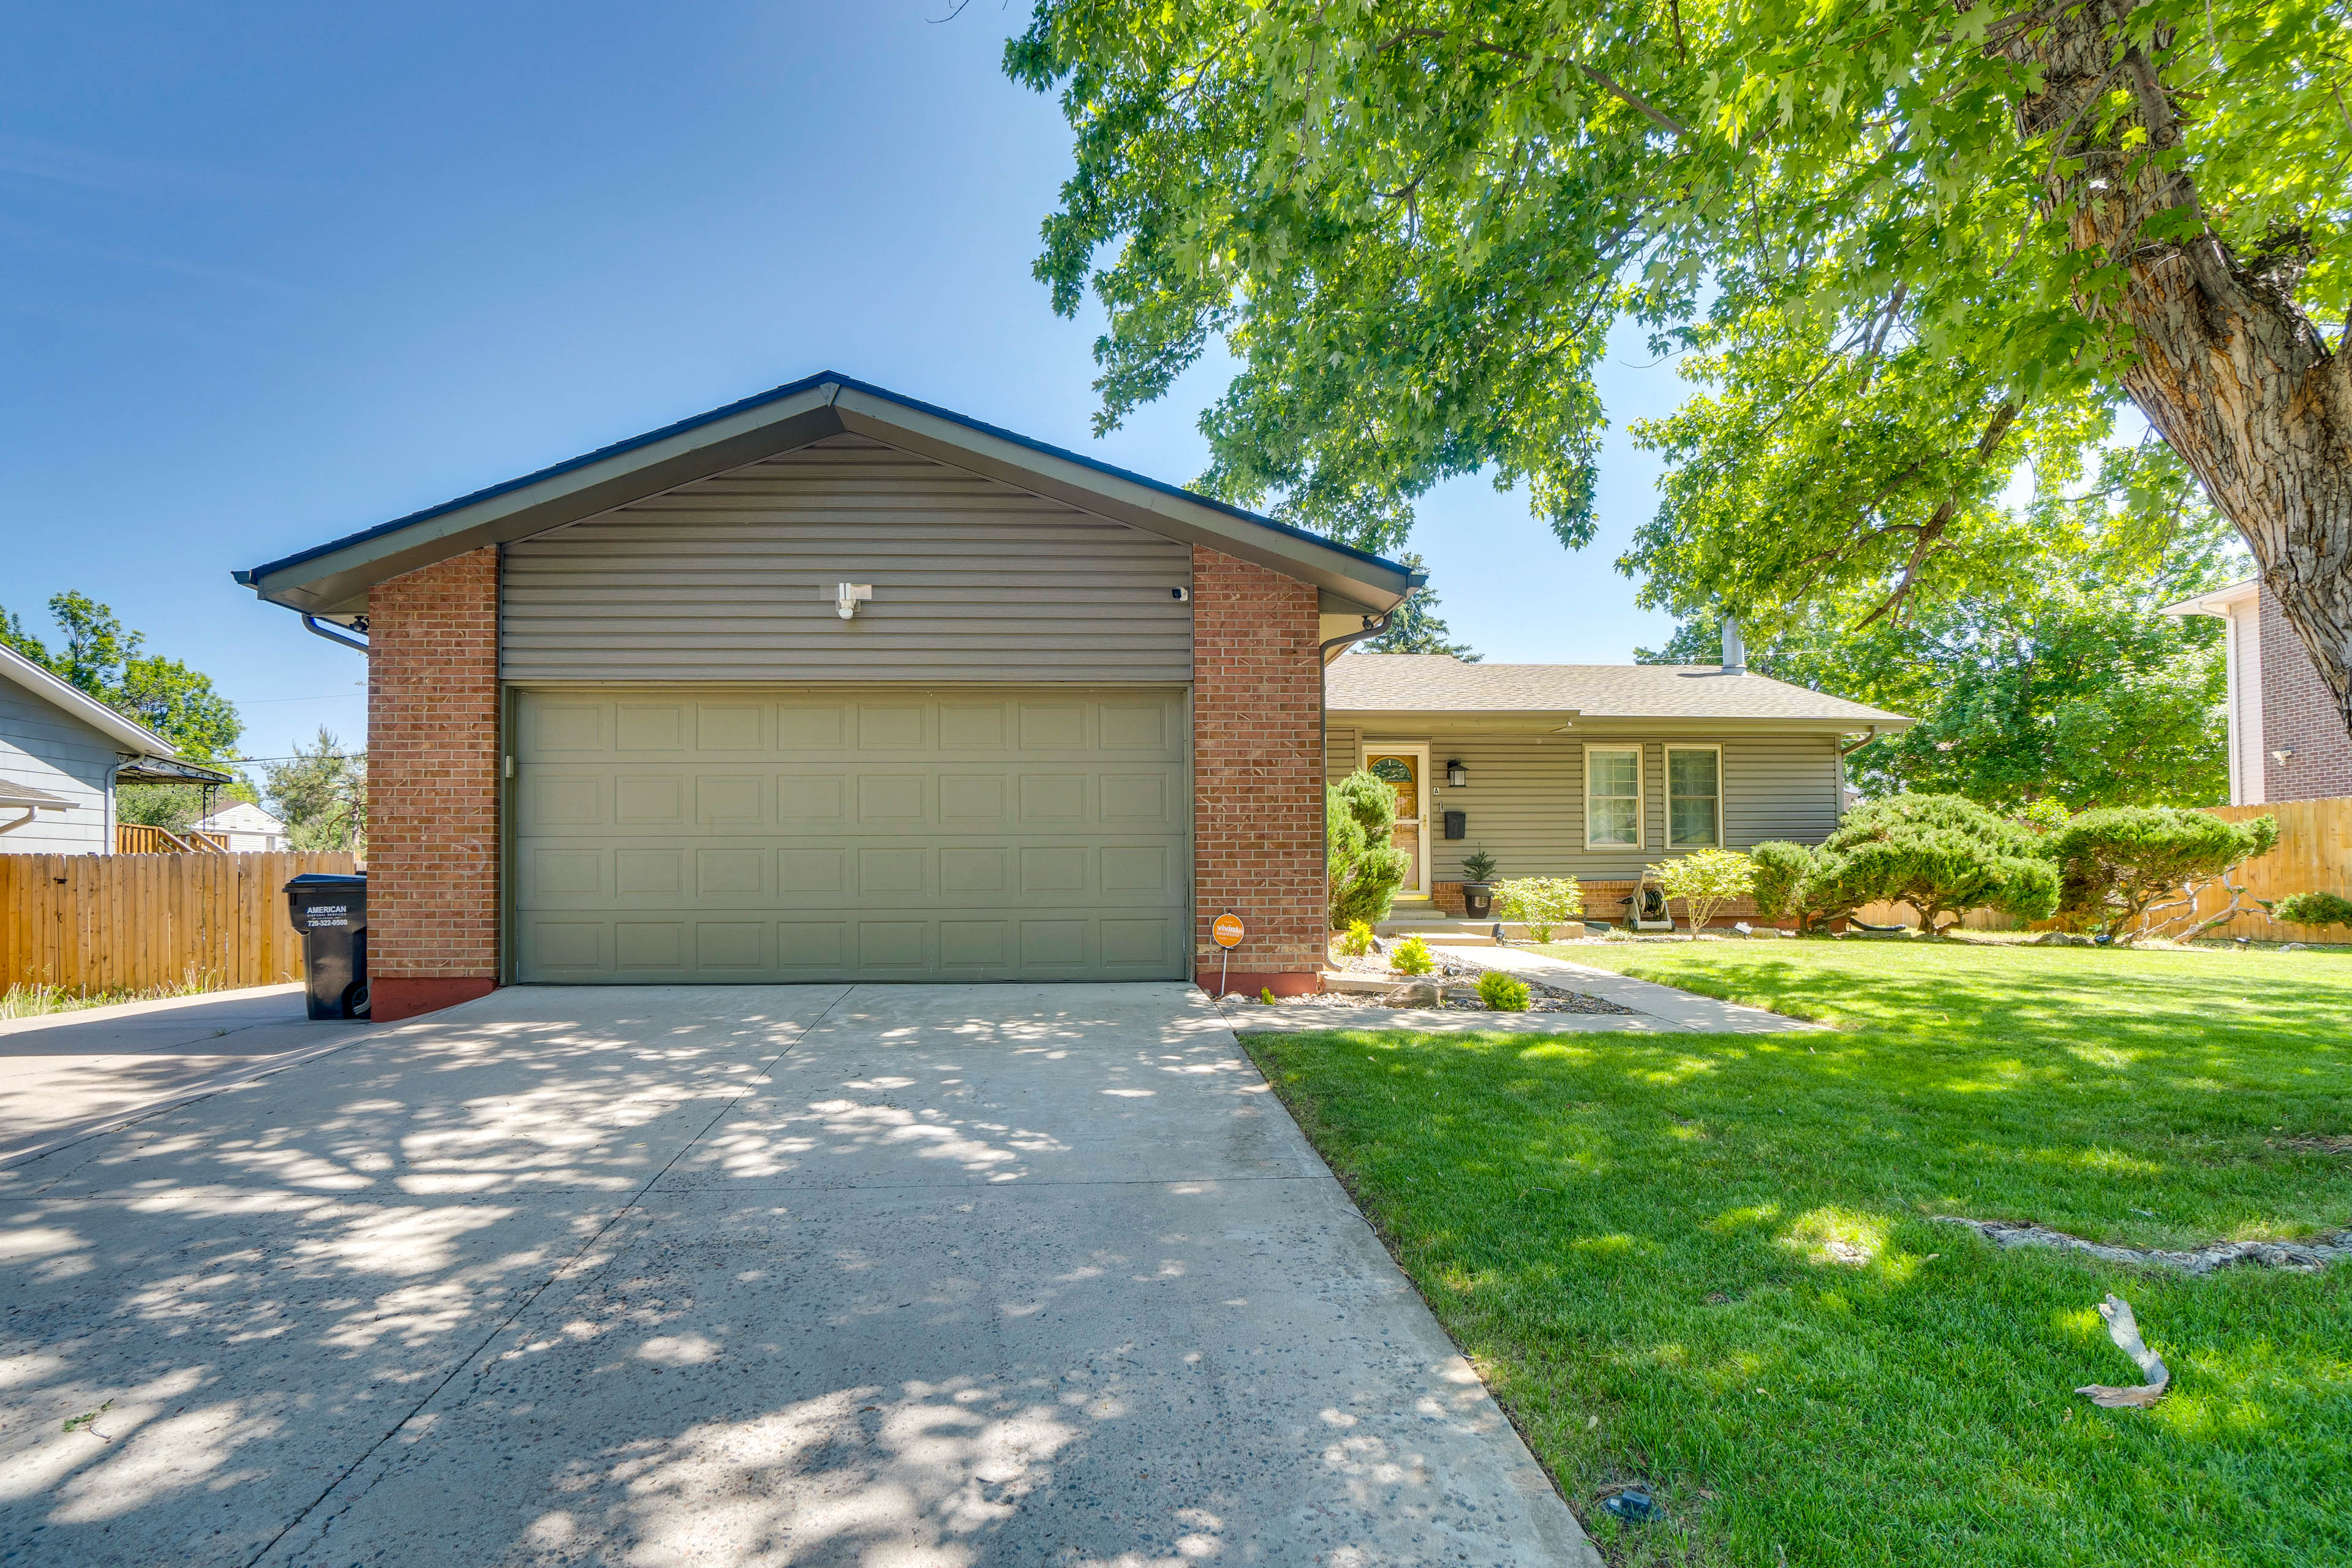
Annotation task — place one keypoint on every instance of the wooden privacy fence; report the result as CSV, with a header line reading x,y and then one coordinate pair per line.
x,y
108,923
2314,855
137,839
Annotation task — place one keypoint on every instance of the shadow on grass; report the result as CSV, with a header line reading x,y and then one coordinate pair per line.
x,y
1709,1261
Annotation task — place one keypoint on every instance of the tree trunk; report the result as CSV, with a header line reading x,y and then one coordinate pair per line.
x,y
2226,367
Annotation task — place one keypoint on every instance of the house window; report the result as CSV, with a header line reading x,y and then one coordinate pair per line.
x,y
1693,798
1612,798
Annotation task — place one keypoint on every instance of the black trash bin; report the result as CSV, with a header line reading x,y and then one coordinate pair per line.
x,y
330,908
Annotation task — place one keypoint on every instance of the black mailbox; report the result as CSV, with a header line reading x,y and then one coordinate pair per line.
x,y
1457,825
330,908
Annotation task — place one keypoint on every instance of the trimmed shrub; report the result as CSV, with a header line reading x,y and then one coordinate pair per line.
x,y
1777,867
1365,865
1539,904
2313,909
1941,854
1358,940
1411,956
1705,880
2115,862
1502,993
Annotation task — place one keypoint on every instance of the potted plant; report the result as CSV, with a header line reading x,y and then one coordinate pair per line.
x,y
1478,883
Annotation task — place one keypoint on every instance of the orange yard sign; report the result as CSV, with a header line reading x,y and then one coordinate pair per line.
x,y
1228,930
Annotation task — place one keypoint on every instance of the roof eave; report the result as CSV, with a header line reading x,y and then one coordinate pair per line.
x,y
1359,581
128,733
1582,720
2220,602
333,579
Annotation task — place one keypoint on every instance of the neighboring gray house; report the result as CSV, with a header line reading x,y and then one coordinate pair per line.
x,y
1591,771
62,752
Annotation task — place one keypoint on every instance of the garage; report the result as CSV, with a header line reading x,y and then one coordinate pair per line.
x,y
833,685
785,833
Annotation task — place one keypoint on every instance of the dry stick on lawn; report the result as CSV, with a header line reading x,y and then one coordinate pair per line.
x,y
2155,1376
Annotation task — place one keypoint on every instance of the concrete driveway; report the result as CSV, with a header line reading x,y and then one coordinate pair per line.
x,y
904,1276
66,1074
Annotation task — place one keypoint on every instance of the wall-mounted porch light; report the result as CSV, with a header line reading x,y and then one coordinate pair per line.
x,y
1456,776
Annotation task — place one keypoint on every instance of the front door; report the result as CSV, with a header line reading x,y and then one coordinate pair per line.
x,y
1405,769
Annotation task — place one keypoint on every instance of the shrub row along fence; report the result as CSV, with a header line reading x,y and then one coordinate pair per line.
x,y
2314,855
128,922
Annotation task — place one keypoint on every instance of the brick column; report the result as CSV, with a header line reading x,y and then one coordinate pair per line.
x,y
432,785
2299,713
1258,782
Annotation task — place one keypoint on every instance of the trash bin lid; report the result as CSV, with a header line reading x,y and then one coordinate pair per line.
x,y
328,879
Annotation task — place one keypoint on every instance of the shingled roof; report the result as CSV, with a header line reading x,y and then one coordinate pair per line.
x,y
1440,683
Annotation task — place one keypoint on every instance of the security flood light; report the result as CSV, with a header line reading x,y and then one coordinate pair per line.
x,y
847,596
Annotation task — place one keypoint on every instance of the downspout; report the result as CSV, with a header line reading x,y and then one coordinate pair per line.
x,y
106,845
1845,750
1325,652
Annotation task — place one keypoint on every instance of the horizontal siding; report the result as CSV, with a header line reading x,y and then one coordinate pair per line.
x,y
732,578
1525,799
49,748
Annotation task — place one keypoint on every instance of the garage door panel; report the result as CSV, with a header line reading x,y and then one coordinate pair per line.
x,y
802,835
649,726
973,726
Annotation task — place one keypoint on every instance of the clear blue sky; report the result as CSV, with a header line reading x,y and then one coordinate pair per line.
x,y
277,272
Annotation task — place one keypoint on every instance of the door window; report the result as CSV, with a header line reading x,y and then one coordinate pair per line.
x,y
1403,775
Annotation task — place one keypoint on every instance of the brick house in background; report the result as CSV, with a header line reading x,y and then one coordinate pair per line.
x,y
829,684
2287,737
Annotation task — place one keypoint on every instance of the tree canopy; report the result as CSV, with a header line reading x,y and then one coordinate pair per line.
x,y
1910,247
106,660
2042,673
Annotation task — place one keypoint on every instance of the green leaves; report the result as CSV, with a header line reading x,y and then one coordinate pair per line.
x,y
1877,224
104,658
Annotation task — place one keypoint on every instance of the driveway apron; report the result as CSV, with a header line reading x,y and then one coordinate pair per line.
x,y
873,1275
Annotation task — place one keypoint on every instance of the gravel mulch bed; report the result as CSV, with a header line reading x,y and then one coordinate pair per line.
x,y
1541,999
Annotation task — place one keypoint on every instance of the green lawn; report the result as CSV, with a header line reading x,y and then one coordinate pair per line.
x,y
1626,1232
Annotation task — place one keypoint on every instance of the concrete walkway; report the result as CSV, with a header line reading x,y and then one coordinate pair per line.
x,y
1657,1009
66,1075
923,1275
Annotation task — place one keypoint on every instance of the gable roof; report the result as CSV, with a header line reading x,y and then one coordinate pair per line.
x,y
1403,683
241,817
332,579
127,734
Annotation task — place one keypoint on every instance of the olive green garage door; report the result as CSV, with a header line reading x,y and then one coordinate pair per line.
x,y
875,833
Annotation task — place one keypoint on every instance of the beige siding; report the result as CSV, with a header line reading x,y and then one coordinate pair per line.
x,y
1525,799
732,578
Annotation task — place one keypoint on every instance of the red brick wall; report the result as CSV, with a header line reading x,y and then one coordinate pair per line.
x,y
2298,711
432,785
1257,784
